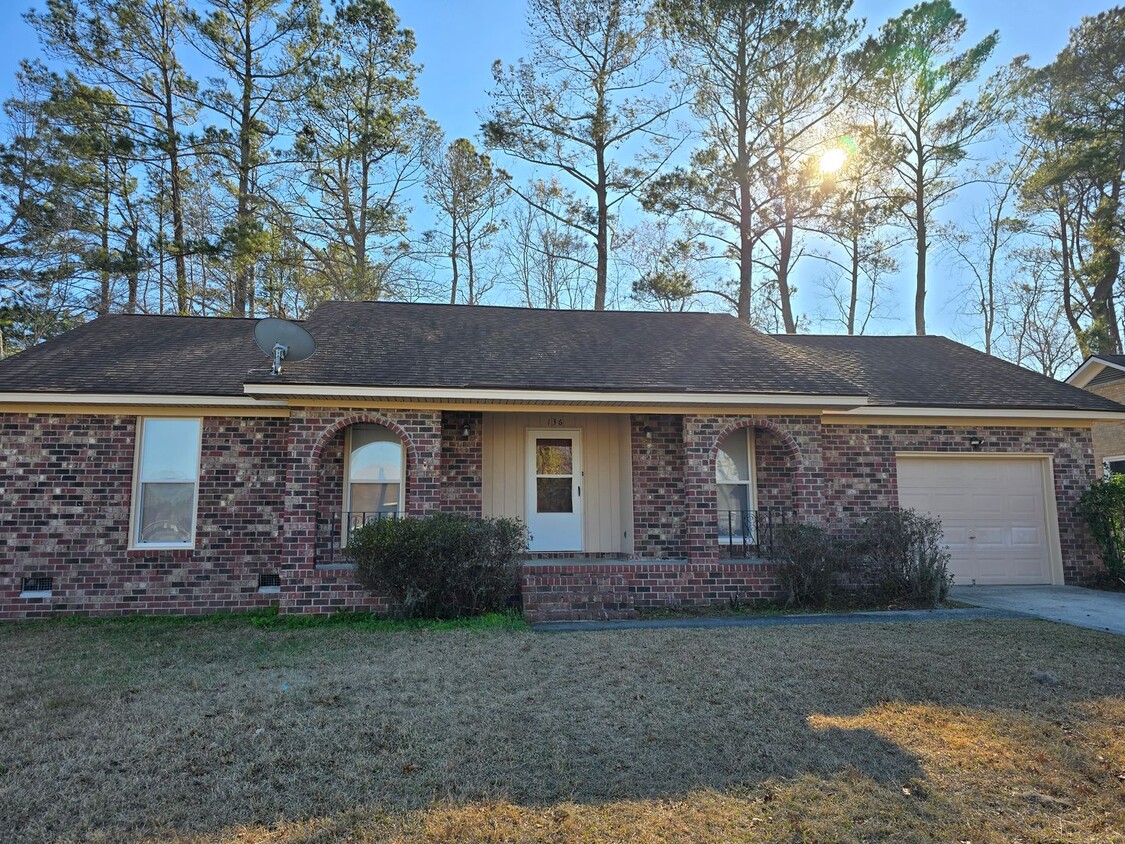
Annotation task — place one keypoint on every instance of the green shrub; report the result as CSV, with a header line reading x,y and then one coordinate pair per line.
x,y
904,557
1103,508
809,561
440,566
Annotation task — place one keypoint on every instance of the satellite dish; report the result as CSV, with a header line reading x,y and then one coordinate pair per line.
x,y
283,340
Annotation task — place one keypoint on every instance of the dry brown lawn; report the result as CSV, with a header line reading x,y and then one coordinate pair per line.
x,y
218,732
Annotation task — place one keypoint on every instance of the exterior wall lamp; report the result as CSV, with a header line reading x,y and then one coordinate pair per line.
x,y
975,443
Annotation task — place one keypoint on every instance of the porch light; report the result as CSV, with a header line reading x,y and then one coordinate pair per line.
x,y
975,443
466,431
648,432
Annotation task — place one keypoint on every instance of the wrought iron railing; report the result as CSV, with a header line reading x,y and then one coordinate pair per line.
x,y
751,532
335,532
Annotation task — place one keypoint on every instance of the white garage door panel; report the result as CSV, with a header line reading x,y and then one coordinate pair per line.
x,y
993,512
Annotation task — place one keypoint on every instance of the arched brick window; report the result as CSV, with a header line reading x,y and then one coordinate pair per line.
x,y
374,473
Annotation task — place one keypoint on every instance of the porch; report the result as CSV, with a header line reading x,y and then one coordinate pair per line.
x,y
589,486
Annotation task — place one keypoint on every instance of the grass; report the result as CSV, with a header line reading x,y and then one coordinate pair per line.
x,y
270,619
222,731
755,609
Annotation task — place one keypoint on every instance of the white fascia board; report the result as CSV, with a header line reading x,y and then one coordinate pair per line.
x,y
559,396
977,412
135,398
1089,370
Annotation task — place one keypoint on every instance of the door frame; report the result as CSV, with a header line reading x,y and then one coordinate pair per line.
x,y
1050,504
575,436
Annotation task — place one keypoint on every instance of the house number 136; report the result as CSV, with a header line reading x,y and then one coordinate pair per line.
x,y
554,422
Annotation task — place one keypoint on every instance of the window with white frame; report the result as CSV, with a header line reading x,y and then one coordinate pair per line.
x,y
734,477
374,473
167,483
1113,466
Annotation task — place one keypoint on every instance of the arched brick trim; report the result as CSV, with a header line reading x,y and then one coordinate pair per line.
x,y
365,419
799,472
762,424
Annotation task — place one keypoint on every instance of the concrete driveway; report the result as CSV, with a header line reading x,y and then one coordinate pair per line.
x,y
1090,608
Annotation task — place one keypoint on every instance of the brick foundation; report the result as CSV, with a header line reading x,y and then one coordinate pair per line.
x,y
579,590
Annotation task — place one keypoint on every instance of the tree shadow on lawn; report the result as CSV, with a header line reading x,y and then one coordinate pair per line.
x,y
194,731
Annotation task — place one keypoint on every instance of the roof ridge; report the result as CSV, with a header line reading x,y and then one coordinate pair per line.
x,y
523,309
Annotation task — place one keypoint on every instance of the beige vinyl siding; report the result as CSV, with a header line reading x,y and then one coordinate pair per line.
x,y
607,476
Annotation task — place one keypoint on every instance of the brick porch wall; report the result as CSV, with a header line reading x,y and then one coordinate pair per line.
x,y
619,590
66,503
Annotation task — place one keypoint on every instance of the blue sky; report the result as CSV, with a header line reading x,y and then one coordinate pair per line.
x,y
459,39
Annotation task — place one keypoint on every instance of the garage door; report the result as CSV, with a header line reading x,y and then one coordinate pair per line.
x,y
993,511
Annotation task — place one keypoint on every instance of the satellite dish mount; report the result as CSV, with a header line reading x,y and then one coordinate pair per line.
x,y
282,340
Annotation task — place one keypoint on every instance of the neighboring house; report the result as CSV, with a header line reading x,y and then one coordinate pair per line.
x,y
153,464
1105,376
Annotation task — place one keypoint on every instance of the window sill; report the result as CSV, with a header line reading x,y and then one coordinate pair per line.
x,y
35,594
269,590
335,567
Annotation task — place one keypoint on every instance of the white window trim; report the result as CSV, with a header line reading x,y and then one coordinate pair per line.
x,y
135,504
1111,459
348,474
752,483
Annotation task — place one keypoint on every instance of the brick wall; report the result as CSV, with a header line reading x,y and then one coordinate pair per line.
x,y
658,472
800,437
618,590
265,481
859,463
313,433
65,506
462,462
776,467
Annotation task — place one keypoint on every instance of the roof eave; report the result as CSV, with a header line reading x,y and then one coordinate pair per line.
x,y
994,412
1089,369
562,397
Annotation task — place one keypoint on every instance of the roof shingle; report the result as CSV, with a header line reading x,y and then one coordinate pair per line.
x,y
420,345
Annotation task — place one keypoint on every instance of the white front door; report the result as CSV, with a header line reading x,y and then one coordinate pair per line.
x,y
554,490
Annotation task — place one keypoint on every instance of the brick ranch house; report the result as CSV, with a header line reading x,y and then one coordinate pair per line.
x,y
154,464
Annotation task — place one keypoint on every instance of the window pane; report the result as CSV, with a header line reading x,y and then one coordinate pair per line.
x,y
375,498
554,457
1117,467
733,460
734,497
170,450
376,454
734,503
553,495
166,512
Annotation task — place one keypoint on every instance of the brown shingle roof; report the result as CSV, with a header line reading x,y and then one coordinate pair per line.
x,y
140,354
933,371
421,345
399,344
